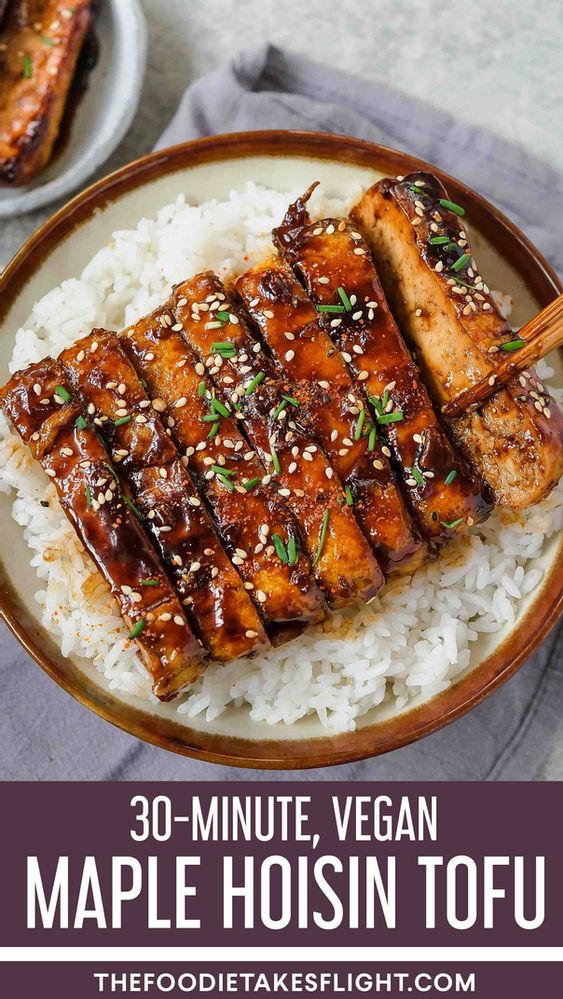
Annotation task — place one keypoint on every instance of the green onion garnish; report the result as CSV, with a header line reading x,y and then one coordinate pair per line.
x,y
291,399
225,480
251,483
349,497
372,438
513,345
292,550
47,41
144,384
132,506
359,425
214,430
218,407
279,409
376,404
345,300
456,209
111,469
88,496
276,460
417,476
27,67
322,537
222,316
81,423
150,582
439,240
461,262
201,390
331,308
137,629
391,417
209,418
385,399
280,549
255,382
450,246
121,421
453,523
62,393
450,477
221,470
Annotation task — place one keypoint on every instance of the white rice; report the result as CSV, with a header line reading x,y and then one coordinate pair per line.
x,y
416,638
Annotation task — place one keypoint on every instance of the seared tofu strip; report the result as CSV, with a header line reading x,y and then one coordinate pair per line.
x,y
252,394
338,409
39,48
334,262
246,509
38,403
220,608
445,309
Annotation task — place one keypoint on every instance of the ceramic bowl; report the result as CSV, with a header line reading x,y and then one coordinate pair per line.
x,y
103,115
211,168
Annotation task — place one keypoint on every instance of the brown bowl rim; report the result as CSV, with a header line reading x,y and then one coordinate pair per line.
x,y
299,753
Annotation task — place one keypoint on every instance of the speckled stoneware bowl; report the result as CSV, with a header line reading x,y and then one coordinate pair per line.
x,y
211,168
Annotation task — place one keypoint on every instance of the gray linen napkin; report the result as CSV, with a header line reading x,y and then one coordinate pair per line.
x,y
45,734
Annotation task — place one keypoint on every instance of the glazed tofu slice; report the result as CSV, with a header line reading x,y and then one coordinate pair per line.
x,y
338,409
265,406
39,404
246,510
220,609
444,307
39,48
335,265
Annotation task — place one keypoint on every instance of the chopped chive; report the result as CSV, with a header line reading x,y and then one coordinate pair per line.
x,y
372,438
439,240
81,423
121,421
251,483
221,470
47,41
222,316
150,582
144,384
137,629
322,537
453,523
27,67
465,284
276,460
456,209
450,246
225,481
376,404
391,417
418,190
221,344
214,430
111,469
349,497
345,300
255,382
417,475
291,550
88,496
291,399
279,409
359,425
461,262
62,393
385,399
132,506
280,549
218,407
513,345
330,308
209,418
450,477
201,390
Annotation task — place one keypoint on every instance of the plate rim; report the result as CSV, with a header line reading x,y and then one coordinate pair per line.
x,y
326,749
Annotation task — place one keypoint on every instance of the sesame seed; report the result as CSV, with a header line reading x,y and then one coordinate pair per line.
x,y
362,375
357,315
329,229
181,402
261,596
335,323
323,280
80,355
94,347
439,267
251,634
165,617
159,405
285,492
492,379
417,438
268,313
195,501
359,252
329,473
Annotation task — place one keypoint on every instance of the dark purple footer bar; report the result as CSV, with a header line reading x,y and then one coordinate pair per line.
x,y
494,980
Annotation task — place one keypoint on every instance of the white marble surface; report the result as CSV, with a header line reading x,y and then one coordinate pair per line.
x,y
491,62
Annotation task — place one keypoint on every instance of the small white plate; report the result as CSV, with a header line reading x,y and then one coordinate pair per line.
x,y
104,114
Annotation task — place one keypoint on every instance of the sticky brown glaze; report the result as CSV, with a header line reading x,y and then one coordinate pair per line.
x,y
219,607
38,403
39,47
443,495
248,383
337,408
246,510
449,316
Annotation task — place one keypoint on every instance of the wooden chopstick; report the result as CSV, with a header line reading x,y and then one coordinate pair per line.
x,y
542,334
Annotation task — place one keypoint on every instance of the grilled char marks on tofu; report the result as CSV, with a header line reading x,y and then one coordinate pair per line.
x,y
265,406
209,586
337,408
39,48
332,259
38,403
445,309
246,509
